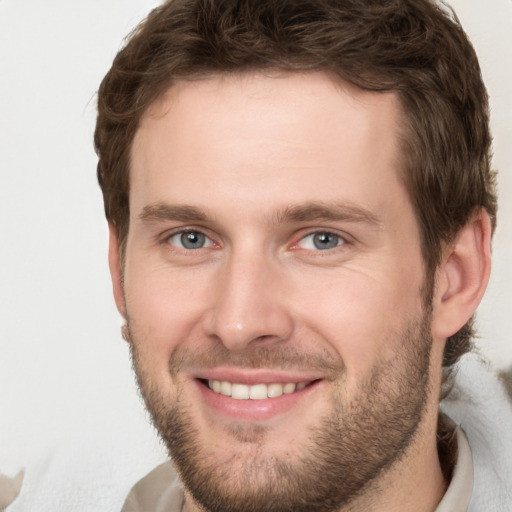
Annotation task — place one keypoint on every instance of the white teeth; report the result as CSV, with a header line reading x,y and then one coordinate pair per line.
x,y
225,388
274,390
240,391
256,391
289,388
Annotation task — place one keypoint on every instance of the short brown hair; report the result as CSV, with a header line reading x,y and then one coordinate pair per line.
x,y
415,48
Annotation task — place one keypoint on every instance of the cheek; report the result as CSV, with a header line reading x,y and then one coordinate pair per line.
x,y
164,308
361,315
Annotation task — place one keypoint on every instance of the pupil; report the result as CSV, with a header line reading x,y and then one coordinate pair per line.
x,y
192,240
325,241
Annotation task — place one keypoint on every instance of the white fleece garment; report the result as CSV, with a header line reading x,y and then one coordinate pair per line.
x,y
482,408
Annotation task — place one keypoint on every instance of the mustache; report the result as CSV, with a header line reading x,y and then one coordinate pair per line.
x,y
257,357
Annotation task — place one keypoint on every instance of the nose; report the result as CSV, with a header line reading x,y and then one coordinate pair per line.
x,y
249,305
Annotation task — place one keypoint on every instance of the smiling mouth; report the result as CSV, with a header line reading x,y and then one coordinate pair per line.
x,y
255,391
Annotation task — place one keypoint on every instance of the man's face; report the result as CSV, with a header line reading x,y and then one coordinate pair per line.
x,y
273,255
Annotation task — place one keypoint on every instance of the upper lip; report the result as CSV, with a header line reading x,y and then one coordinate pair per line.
x,y
250,376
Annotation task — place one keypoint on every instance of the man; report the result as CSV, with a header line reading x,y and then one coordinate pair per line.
x,y
301,207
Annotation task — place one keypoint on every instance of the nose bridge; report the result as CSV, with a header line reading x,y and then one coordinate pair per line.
x,y
248,303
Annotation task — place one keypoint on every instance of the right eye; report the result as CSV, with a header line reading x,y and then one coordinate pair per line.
x,y
321,241
190,240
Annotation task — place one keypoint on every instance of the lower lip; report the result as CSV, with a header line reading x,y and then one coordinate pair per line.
x,y
254,410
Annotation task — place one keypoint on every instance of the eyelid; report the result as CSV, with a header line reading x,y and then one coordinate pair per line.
x,y
344,239
167,235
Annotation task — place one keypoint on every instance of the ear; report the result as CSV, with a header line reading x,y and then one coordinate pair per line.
x,y
116,271
462,277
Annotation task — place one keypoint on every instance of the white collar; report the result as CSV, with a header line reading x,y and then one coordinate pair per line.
x,y
458,494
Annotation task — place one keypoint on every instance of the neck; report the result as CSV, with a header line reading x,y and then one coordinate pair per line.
x,y
417,482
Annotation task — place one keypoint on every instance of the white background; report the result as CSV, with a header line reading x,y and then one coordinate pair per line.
x,y
64,370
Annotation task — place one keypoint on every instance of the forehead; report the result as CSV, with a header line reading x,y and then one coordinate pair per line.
x,y
274,100
298,134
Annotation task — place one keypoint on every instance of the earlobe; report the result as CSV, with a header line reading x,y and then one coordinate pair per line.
x,y
462,276
116,272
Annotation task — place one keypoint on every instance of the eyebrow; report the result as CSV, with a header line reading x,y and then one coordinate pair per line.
x,y
163,212
326,211
308,212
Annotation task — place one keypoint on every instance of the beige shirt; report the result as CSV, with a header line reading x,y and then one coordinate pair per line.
x,y
161,490
9,489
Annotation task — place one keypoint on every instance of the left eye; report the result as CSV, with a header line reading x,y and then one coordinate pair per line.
x,y
321,240
190,240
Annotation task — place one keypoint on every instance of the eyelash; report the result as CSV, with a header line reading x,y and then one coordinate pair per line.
x,y
189,231
342,239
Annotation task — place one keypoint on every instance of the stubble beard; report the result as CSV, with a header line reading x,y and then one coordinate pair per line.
x,y
345,453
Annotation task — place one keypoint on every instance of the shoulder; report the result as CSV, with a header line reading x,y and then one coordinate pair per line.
x,y
480,405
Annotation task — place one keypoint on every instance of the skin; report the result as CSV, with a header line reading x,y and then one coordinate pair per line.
x,y
243,152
